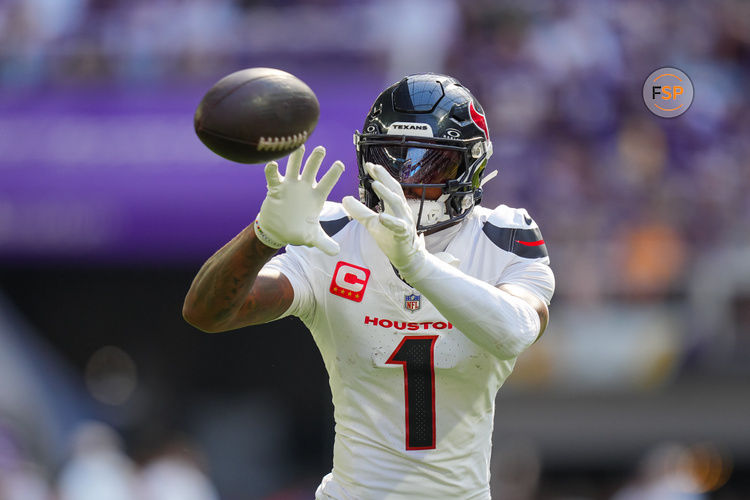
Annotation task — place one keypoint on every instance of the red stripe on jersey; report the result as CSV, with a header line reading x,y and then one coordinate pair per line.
x,y
531,243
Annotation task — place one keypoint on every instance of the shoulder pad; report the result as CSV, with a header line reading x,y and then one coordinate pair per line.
x,y
513,230
333,218
505,216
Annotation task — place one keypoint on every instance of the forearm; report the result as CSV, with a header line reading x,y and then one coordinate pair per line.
x,y
223,283
496,320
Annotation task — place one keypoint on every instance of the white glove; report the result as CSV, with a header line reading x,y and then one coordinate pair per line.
x,y
394,230
291,211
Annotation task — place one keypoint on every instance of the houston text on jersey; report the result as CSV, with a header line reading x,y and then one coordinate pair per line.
x,y
405,325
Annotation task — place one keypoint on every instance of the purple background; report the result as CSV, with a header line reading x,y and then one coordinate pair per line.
x,y
117,173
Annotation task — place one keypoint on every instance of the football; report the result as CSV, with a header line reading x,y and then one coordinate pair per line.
x,y
256,115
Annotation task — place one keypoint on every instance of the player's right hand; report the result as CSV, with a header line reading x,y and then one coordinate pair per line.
x,y
291,211
393,230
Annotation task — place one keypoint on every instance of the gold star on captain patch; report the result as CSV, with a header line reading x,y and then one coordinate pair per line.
x,y
335,289
356,295
349,294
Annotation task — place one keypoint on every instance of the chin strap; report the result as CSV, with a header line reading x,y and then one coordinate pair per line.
x,y
433,211
488,178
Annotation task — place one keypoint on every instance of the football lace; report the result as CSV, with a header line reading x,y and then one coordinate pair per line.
x,y
277,143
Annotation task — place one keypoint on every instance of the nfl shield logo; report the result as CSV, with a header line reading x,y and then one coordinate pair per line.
x,y
412,302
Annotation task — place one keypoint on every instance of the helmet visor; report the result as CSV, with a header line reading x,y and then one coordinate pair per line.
x,y
415,165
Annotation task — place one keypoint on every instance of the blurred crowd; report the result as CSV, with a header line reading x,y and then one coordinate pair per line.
x,y
638,209
641,199
98,468
635,209
633,204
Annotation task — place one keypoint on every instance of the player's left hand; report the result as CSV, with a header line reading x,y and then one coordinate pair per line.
x,y
394,230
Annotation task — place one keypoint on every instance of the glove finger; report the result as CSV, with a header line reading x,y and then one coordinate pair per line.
x,y
312,165
325,243
394,224
379,173
273,178
394,204
330,178
357,210
293,163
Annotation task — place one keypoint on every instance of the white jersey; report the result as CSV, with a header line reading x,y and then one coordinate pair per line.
x,y
414,398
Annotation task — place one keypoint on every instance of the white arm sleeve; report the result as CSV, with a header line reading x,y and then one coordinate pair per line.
x,y
501,323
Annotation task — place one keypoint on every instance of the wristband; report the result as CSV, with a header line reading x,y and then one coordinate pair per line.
x,y
264,238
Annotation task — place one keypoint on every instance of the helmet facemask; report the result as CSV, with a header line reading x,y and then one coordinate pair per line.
x,y
423,165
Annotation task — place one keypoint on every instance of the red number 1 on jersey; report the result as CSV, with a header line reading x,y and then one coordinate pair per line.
x,y
416,354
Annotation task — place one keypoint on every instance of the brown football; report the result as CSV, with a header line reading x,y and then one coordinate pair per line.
x,y
256,115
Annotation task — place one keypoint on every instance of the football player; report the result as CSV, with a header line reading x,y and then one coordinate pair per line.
x,y
418,299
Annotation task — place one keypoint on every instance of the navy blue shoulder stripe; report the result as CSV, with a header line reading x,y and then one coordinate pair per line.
x,y
332,227
527,243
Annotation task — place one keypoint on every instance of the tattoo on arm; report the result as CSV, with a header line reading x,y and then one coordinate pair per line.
x,y
228,291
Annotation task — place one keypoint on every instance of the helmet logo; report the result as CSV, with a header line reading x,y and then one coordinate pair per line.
x,y
408,128
479,120
453,133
